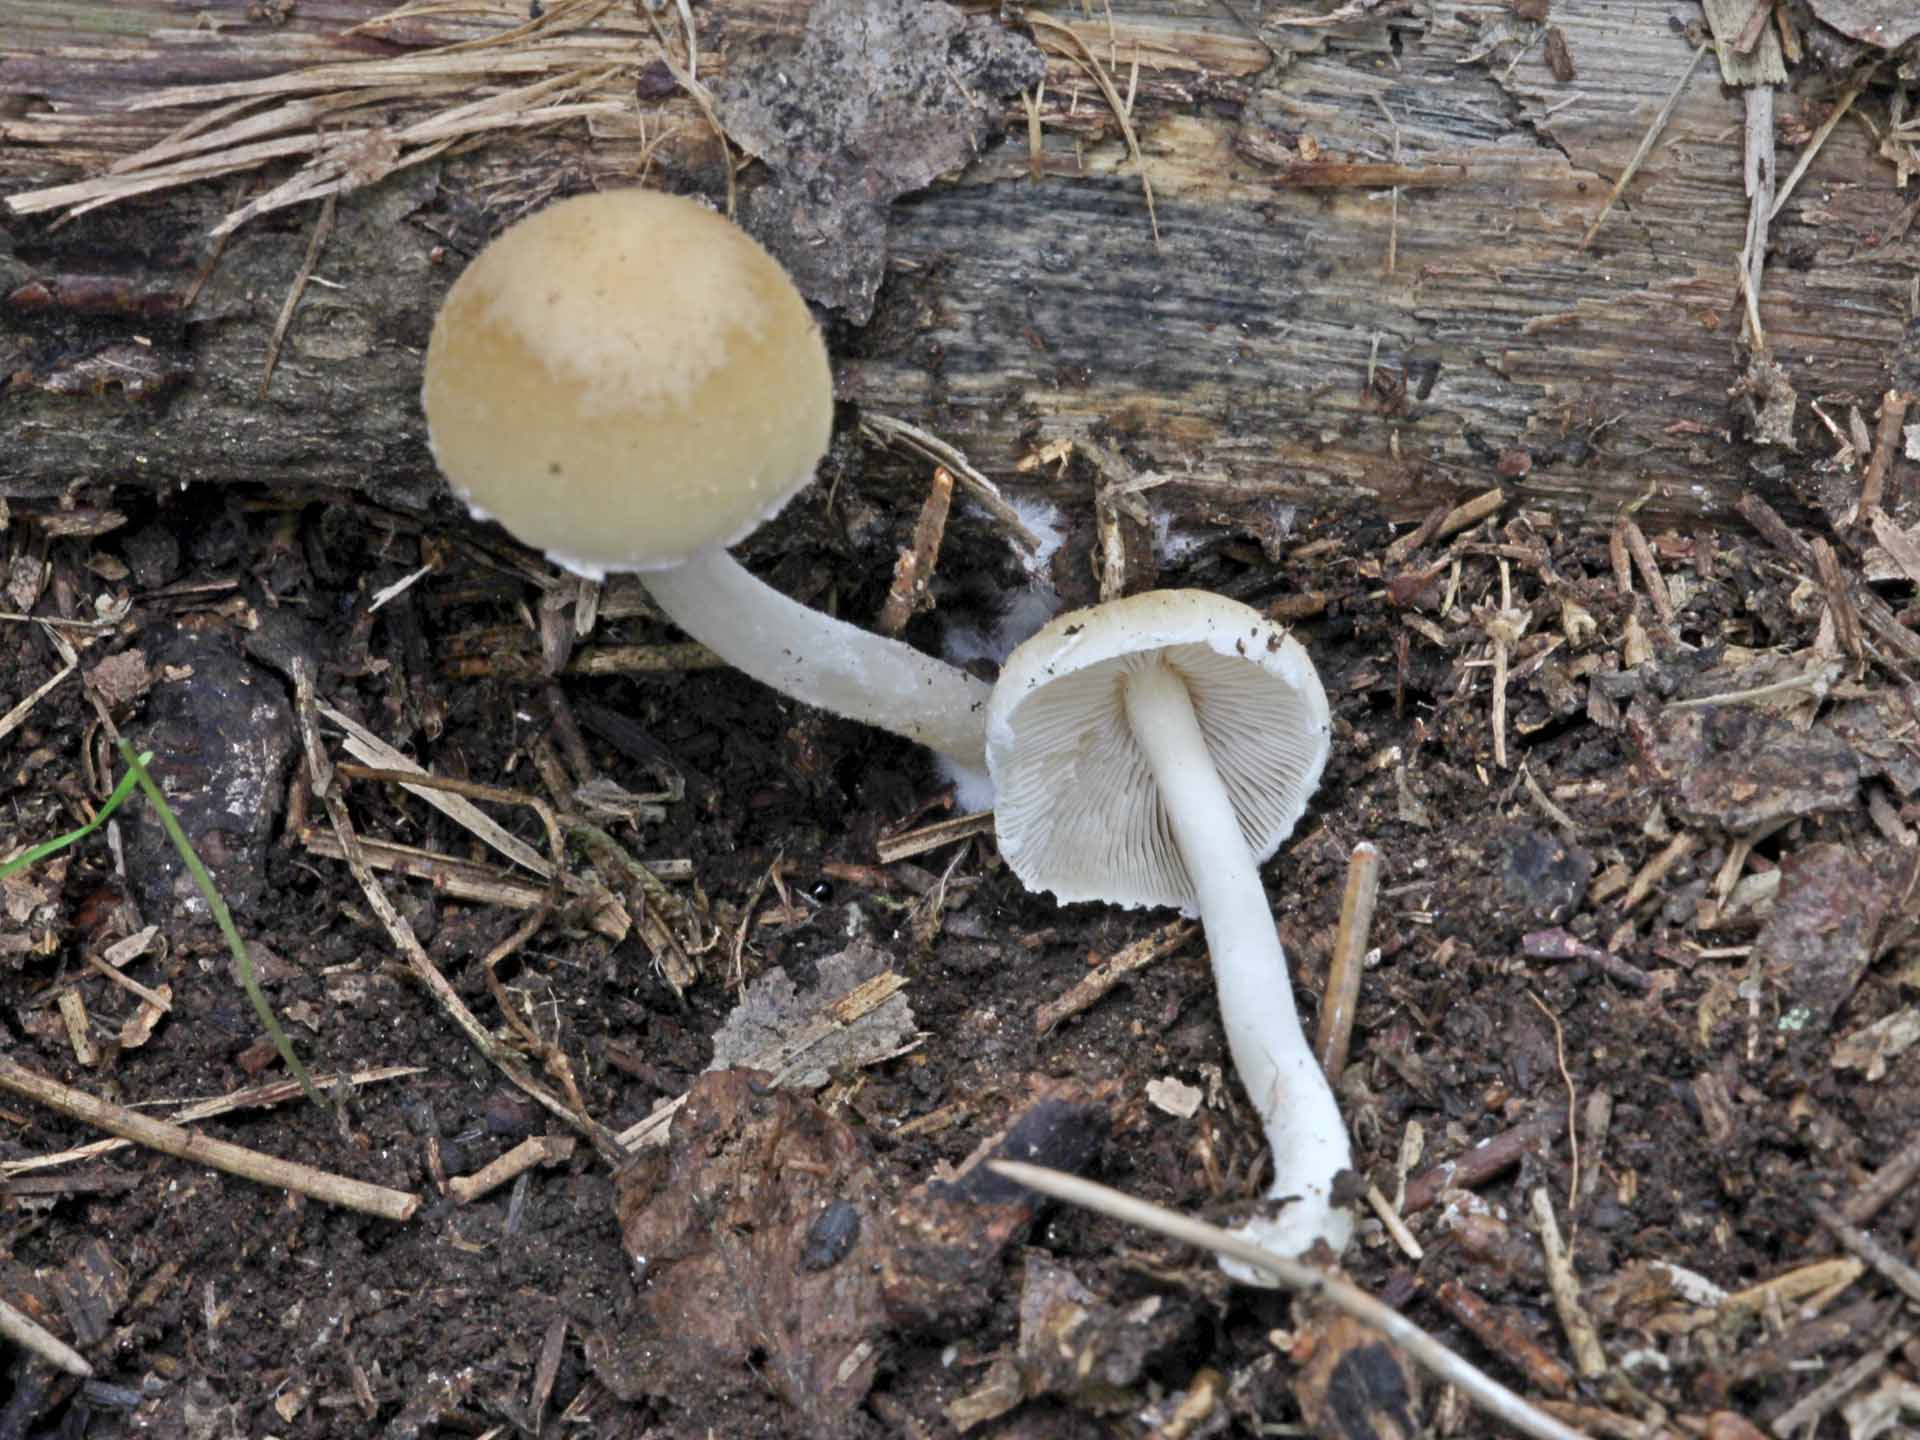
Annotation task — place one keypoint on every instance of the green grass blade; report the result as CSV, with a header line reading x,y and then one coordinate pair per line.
x,y
137,771
74,837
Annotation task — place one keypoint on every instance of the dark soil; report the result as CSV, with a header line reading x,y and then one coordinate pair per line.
x,y
1701,1059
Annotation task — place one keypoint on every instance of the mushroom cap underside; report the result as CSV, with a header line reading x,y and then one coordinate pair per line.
x,y
1077,809
625,378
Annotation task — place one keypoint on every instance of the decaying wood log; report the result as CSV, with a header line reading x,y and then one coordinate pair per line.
x,y
1369,281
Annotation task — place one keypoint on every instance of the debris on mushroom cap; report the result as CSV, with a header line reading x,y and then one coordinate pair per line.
x,y
624,379
1077,809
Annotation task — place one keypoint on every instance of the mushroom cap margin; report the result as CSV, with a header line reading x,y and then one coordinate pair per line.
x,y
1077,810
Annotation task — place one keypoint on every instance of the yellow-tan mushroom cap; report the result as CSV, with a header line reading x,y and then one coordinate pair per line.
x,y
625,379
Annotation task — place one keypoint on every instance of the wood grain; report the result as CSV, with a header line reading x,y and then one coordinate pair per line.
x,y
1234,357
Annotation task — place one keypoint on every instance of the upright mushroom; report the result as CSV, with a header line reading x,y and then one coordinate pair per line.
x,y
627,381
1154,751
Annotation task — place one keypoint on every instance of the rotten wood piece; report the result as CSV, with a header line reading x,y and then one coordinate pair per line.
x,y
1025,304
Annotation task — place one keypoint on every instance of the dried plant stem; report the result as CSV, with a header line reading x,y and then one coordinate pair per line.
x,y
1874,612
29,1334
1588,1358
889,431
424,970
1109,973
1480,1163
201,1150
1646,143
894,848
1884,1184
1296,1275
273,1092
1827,126
1064,40
322,228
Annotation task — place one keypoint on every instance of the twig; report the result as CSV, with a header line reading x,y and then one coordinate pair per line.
x,y
450,876
26,1332
536,1150
891,848
1352,10
1400,549
16,716
1395,1226
201,1150
1338,1005
1036,140
1481,1163
1824,1397
1553,812
1642,555
914,569
1903,1276
448,795
1470,512
1561,944
1504,628
1846,627
1889,1180
1344,1296
1504,1337
424,970
737,977
1588,1358
1893,415
1755,27
1646,143
1618,558
1784,1289
1656,869
273,1092
658,909
160,999
1109,973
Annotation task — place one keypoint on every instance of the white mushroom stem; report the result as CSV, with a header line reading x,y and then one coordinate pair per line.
x,y
1270,1050
826,662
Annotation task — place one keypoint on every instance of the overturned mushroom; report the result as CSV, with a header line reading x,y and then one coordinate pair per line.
x,y
1153,751
627,381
